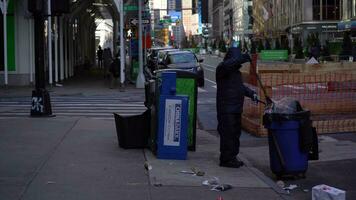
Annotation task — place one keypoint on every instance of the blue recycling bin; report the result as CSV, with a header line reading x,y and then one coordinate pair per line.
x,y
172,127
286,156
172,123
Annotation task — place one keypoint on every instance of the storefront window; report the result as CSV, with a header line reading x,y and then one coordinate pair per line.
x,y
316,9
330,9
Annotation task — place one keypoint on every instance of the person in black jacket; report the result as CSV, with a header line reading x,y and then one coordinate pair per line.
x,y
114,71
230,98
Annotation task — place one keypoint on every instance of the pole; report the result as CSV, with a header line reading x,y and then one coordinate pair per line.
x,y
140,82
39,53
56,49
41,102
30,53
4,12
61,49
122,44
50,42
66,48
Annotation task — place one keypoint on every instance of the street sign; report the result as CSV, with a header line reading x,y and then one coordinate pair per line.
x,y
134,21
130,8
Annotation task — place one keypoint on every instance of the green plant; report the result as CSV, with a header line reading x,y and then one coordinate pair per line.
x,y
346,46
298,49
222,46
278,45
260,46
213,46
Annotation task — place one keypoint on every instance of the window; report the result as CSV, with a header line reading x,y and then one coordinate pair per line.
x,y
316,9
182,58
330,9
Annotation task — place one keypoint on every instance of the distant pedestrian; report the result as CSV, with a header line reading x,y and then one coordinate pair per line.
x,y
99,54
114,71
229,103
107,57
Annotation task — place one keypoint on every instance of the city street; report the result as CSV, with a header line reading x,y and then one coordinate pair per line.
x,y
81,80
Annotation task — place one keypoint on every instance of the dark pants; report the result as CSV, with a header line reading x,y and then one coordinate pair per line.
x,y
229,128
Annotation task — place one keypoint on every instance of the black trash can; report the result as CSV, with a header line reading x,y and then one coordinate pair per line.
x,y
133,130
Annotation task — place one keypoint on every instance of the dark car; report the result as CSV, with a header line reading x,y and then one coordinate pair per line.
x,y
152,57
183,60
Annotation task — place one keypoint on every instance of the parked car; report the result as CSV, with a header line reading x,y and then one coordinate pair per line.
x,y
184,60
152,57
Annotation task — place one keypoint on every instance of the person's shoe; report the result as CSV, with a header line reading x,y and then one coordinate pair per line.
x,y
232,164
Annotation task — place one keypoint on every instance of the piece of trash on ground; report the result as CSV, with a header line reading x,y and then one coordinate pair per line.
x,y
187,172
281,184
213,181
148,166
290,187
198,172
51,182
306,190
321,192
194,171
158,185
222,187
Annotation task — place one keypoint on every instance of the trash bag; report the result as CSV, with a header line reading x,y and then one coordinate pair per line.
x,y
286,105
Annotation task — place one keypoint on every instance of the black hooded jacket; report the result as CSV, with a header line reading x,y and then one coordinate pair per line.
x,y
230,88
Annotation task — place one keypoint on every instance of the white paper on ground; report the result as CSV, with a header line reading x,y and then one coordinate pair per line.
x,y
325,192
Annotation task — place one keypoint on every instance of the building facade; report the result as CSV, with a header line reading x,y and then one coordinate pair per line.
x,y
217,19
237,20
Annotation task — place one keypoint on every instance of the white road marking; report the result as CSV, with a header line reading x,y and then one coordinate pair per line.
x,y
201,90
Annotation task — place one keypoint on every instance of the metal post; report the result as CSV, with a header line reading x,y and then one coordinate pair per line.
x,y
140,82
61,49
39,53
66,48
56,49
4,12
122,44
30,53
50,42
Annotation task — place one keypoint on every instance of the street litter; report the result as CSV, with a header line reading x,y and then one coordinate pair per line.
x,y
325,192
281,184
306,190
198,172
213,181
187,172
222,187
51,182
290,187
148,166
194,171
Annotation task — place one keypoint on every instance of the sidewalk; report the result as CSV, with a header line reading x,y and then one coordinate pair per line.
x,y
79,158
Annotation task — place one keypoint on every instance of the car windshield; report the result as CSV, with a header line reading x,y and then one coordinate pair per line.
x,y
182,58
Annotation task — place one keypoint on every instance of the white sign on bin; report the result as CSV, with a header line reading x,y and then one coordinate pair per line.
x,y
325,192
172,124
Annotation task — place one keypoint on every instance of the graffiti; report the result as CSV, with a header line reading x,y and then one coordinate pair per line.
x,y
37,104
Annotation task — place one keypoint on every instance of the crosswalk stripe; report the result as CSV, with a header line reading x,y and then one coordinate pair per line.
x,y
101,107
